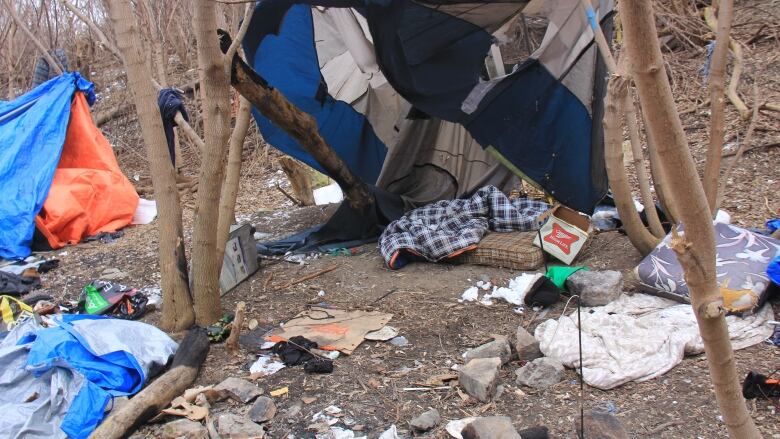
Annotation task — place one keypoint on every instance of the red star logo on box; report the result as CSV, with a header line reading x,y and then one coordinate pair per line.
x,y
561,238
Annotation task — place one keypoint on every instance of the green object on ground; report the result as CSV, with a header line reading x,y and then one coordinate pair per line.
x,y
94,302
559,274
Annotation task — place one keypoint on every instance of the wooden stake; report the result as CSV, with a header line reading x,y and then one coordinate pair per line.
x,y
235,329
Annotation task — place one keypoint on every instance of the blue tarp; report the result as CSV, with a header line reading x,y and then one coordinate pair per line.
x,y
77,368
32,133
298,77
434,60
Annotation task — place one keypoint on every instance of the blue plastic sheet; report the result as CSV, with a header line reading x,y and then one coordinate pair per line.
x,y
32,133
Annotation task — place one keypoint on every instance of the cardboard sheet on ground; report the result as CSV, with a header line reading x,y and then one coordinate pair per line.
x,y
333,329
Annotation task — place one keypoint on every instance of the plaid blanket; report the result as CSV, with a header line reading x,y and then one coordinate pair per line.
x,y
450,227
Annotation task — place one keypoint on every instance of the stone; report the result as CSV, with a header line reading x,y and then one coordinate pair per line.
x,y
236,427
541,373
526,346
262,410
478,377
491,427
239,390
498,348
426,421
601,425
596,288
184,428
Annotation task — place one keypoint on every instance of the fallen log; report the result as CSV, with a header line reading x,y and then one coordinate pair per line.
x,y
299,125
159,394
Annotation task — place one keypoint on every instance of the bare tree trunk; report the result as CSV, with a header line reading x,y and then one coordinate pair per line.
x,y
9,63
717,80
227,201
300,179
643,240
177,312
21,25
696,251
215,86
101,36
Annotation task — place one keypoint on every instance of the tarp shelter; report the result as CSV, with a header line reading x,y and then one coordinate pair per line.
x,y
57,171
399,89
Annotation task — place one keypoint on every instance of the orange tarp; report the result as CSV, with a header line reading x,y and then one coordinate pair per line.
x,y
89,193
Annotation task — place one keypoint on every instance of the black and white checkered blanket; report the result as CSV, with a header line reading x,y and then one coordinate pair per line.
x,y
448,227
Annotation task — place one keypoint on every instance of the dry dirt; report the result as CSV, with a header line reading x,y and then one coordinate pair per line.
x,y
369,384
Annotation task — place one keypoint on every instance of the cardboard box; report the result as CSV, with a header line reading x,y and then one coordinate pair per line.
x,y
564,233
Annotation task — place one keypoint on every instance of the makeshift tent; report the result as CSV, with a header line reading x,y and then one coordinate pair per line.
x,y
55,164
398,89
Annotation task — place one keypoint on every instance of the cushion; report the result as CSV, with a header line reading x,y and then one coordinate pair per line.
x,y
513,250
741,263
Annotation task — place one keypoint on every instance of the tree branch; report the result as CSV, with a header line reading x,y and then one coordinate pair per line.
x,y
49,59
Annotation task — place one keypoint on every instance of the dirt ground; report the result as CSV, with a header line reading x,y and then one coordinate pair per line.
x,y
422,298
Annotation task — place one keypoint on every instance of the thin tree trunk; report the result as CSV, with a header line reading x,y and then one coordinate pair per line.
x,y
215,86
633,134
300,179
9,63
227,201
91,24
696,251
659,181
639,165
742,147
643,240
717,80
21,25
177,312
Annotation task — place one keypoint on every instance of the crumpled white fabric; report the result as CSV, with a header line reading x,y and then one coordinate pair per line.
x,y
637,338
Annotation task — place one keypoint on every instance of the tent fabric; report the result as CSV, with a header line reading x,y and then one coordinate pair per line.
x,y
540,121
284,54
32,130
89,193
76,368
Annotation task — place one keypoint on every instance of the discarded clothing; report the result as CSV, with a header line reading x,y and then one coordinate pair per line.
x,y
106,237
638,338
18,284
57,382
760,386
13,312
295,351
171,102
448,228
100,296
543,292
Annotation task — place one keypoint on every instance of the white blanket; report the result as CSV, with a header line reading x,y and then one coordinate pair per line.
x,y
637,338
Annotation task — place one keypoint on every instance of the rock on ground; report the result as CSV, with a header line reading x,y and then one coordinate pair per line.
x,y
498,348
492,427
596,288
601,425
541,373
184,428
262,410
478,377
526,345
236,427
426,421
238,389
